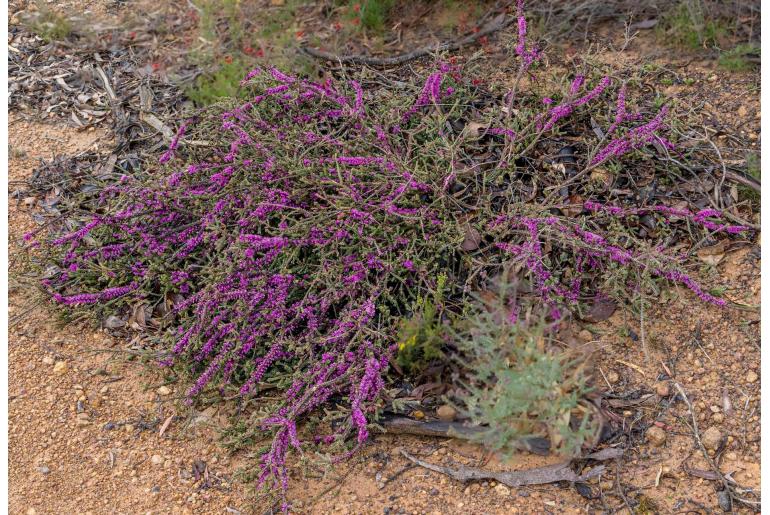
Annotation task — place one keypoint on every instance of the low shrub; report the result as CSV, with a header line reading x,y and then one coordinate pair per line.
x,y
519,383
306,239
740,58
48,24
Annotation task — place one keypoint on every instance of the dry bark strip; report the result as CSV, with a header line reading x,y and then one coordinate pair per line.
x,y
405,425
536,476
496,24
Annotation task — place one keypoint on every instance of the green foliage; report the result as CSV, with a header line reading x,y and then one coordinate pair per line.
x,y
49,25
753,168
521,384
372,13
212,11
224,82
422,335
219,52
280,19
737,59
688,25
230,48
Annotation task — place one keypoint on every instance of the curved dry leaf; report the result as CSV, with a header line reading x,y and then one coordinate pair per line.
x,y
113,322
475,129
600,310
714,254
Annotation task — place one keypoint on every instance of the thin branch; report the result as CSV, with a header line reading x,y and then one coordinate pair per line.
x,y
493,26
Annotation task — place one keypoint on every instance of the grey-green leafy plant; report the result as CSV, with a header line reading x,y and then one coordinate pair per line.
x,y
740,58
688,24
521,384
48,24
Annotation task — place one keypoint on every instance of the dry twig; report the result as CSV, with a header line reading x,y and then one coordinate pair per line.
x,y
493,26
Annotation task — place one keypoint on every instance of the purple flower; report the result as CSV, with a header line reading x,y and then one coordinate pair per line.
x,y
634,139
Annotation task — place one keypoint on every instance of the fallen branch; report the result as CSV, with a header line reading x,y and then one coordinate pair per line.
x,y
536,476
404,425
496,24
743,179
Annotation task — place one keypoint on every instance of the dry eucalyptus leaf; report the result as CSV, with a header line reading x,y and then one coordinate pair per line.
x,y
600,310
475,129
714,254
113,322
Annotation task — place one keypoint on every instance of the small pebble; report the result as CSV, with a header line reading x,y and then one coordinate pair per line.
x,y
164,390
751,377
502,490
656,436
60,367
157,459
48,360
723,497
446,413
663,389
711,438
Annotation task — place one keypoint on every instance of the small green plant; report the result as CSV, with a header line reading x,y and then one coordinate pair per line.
x,y
688,25
230,45
521,385
224,82
212,11
739,58
48,24
422,335
754,170
371,14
